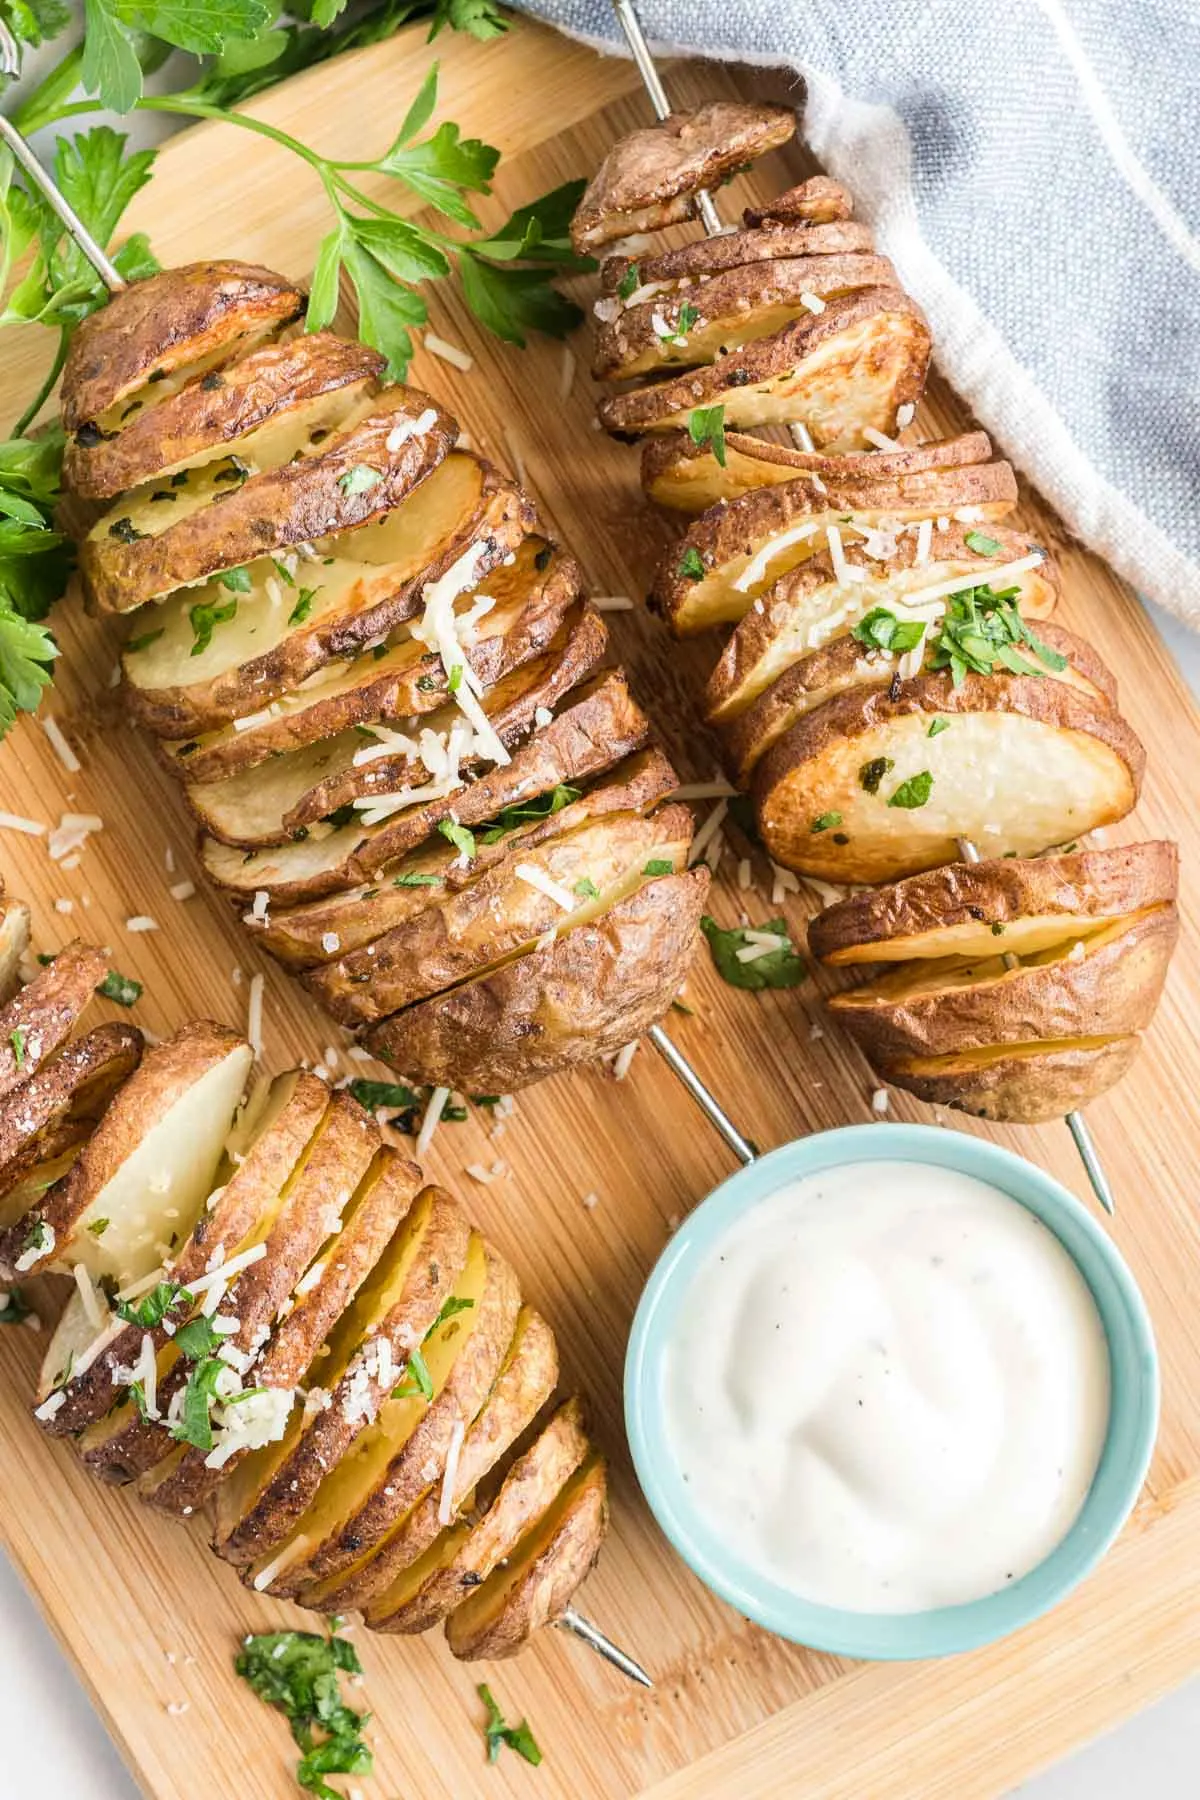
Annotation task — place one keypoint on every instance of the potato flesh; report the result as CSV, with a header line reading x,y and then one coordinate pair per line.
x,y
172,381
488,1601
368,566
156,1194
359,1472
974,938
1008,782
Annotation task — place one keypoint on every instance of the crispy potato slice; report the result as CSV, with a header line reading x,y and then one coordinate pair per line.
x,y
1106,983
326,929
1035,902
812,603
700,258
147,1169
820,197
372,584
463,934
72,1089
266,1142
748,545
463,1557
824,674
535,1585
422,1458
593,990
349,1484
400,679
141,551
40,1017
400,1301
686,477
687,326
14,943
1024,763
168,326
50,1156
841,372
526,1381
303,1323
602,724
650,177
1019,1084
221,412
284,797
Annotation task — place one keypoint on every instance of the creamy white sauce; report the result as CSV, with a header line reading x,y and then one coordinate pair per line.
x,y
889,1389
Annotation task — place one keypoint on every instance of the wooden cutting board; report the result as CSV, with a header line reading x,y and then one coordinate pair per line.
x,y
149,1618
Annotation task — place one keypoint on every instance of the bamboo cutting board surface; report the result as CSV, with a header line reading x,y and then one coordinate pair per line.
x,y
148,1617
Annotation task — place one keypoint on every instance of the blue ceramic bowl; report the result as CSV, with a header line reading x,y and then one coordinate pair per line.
x,y
1133,1417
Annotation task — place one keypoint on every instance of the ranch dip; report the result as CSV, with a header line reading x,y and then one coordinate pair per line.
x,y
888,1389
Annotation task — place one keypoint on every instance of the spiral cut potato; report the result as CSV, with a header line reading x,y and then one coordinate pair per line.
x,y
274,1322
379,684
888,687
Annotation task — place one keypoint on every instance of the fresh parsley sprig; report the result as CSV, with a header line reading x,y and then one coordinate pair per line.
x,y
983,629
298,1673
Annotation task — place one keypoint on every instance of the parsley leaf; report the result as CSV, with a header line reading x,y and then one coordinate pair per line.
x,y
780,968
882,630
415,880
937,726
497,1733
586,888
481,18
873,772
659,865
359,480
543,806
462,839
981,628
236,581
298,1673
121,988
375,1095
630,282
914,792
205,616
706,425
198,1339
111,68
13,1308
194,1425
417,1379
691,564
153,1307
981,544
302,607
826,822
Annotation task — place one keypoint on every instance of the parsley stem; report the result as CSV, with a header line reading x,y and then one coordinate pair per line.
x,y
43,394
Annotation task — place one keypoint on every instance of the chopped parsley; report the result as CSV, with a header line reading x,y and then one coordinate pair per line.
x,y
937,726
284,573
455,679
14,1309
706,425
982,628
691,564
98,1227
194,1425
17,1040
302,607
205,617
153,1307
630,282
873,772
198,1339
659,865
39,1237
586,889
298,1673
417,1380
121,988
688,316
914,792
981,544
359,480
780,968
125,531
459,835
497,1733
544,806
826,822
137,644
236,580
417,880
882,630
374,1096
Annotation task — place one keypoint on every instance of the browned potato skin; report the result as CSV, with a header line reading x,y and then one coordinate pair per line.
x,y
545,1591
295,937
14,941
417,686
72,1090
729,304
685,477
1112,990
1096,884
165,322
602,725
164,1073
725,534
650,177
843,664
818,198
501,520
1027,1085
41,1015
842,720
530,1486
593,990
734,250
949,555
207,416
457,936
330,1435
267,1165
298,503
903,339
522,1388
407,1477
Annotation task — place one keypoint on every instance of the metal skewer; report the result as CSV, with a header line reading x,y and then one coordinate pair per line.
x,y
710,218
571,1620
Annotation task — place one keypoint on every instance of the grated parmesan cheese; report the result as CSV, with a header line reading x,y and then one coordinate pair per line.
x,y
429,1124
60,746
14,822
411,428
756,568
813,305
707,832
537,878
254,1011
448,352
450,1477
879,440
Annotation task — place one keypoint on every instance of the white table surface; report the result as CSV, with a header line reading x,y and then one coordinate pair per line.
x,y
57,1749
